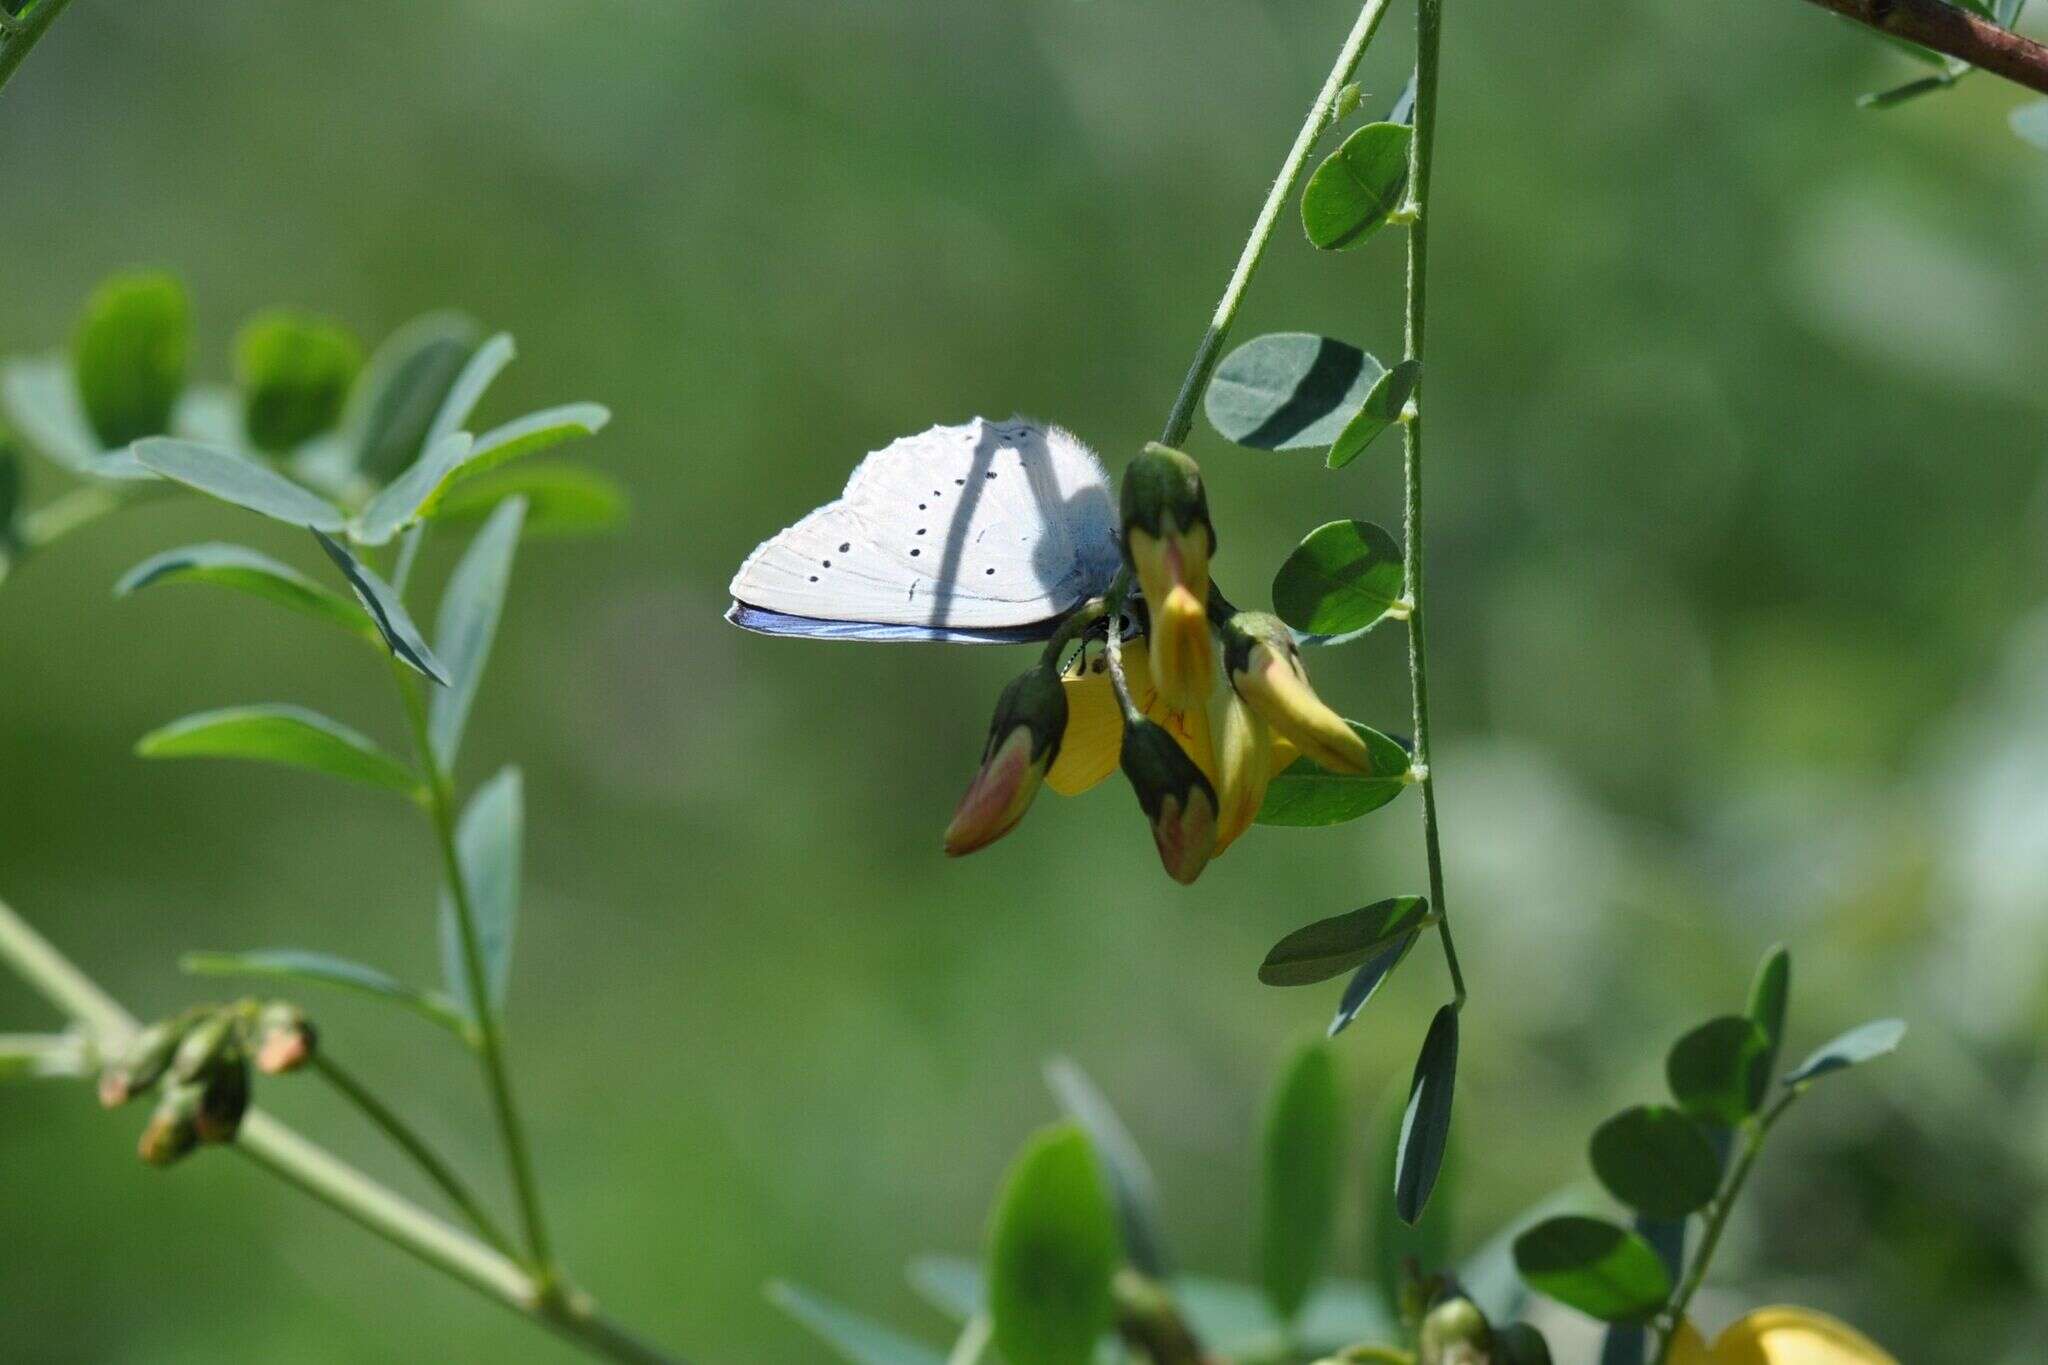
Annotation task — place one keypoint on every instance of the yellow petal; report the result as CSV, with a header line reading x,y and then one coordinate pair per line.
x,y
1278,689
1689,1347
1244,765
1094,740
1796,1336
1185,666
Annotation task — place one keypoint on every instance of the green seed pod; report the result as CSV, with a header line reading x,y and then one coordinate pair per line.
x,y
129,355
1455,1333
294,373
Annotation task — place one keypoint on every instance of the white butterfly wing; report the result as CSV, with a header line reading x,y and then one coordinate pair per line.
x,y
981,526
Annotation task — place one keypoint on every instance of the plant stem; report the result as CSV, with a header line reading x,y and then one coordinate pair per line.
x,y
1428,47
26,31
1954,32
291,1157
490,1040
414,1146
1717,1221
61,516
1210,351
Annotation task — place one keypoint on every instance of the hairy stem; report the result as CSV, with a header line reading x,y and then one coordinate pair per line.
x,y
1210,351
1717,1221
291,1157
1428,48
24,31
414,1146
1954,32
440,801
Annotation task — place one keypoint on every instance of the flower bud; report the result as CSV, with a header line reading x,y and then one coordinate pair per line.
x,y
1023,741
144,1062
1168,541
294,373
1266,670
1455,1333
284,1039
1176,798
202,1044
1244,767
173,1129
129,356
223,1097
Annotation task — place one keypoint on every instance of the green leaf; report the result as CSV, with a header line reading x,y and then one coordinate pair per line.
x,y
1366,981
1718,1071
1520,1344
1343,577
1289,390
40,402
129,356
235,478
1319,951
487,841
1769,996
536,431
245,570
467,391
1864,1043
403,502
853,1338
1130,1178
1604,1271
1426,1124
2029,123
1382,409
386,611
468,622
289,735
294,373
10,490
1307,795
1656,1160
1390,1241
299,964
562,499
1350,195
1052,1249
402,389
1302,1148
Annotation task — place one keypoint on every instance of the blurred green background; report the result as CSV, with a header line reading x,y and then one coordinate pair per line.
x,y
1737,564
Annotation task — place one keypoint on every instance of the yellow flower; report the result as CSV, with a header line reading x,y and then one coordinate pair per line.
x,y
1168,542
1780,1336
1244,765
1266,670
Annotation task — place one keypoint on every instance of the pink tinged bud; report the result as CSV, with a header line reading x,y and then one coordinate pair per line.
x,y
1244,766
998,797
173,1129
285,1050
1178,800
1185,835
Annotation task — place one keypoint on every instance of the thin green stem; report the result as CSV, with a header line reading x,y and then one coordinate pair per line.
x,y
1428,48
1210,351
292,1158
25,32
62,515
414,1146
440,803
1758,1129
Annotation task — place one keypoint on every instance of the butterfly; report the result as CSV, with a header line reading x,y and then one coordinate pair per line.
x,y
982,533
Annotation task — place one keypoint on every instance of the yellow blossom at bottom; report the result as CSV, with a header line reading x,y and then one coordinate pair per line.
x,y
1780,1336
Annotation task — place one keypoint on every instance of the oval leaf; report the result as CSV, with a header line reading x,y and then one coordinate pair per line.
x,y
1604,1271
477,375
1717,1071
1302,1149
388,613
1130,1178
1390,1241
1382,409
1858,1045
1052,1249
289,735
468,622
1307,795
1769,997
852,1338
1350,195
299,964
245,570
404,501
1365,982
534,432
40,402
1656,1160
1343,577
1319,951
1426,1124
402,389
562,499
487,843
1289,390
234,478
